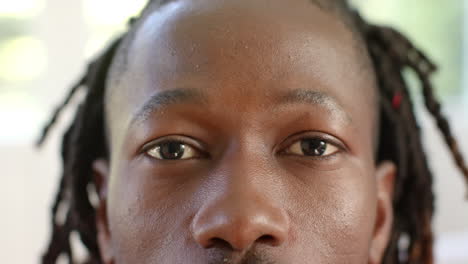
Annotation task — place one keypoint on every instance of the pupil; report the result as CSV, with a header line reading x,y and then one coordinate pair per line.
x,y
172,150
313,147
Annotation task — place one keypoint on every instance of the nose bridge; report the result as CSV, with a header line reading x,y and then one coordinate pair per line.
x,y
246,174
242,210
244,168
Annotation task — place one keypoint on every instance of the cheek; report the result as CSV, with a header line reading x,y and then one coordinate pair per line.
x,y
335,214
145,217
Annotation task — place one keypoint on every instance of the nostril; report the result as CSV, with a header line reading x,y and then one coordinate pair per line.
x,y
268,240
219,243
222,244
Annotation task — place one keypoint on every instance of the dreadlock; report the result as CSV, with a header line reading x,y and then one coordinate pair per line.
x,y
399,141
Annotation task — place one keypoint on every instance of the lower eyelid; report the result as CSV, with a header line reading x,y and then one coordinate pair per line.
x,y
316,158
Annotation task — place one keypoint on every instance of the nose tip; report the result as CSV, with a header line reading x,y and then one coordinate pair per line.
x,y
240,228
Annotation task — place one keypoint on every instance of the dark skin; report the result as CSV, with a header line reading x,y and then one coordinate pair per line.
x,y
243,132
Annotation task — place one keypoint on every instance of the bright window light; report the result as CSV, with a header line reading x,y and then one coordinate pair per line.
x,y
21,8
111,12
22,59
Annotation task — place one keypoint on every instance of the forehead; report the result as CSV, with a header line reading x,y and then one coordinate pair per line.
x,y
240,49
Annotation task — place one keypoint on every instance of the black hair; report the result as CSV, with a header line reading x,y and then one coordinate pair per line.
x,y
400,141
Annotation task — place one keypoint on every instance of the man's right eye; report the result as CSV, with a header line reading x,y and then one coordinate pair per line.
x,y
172,150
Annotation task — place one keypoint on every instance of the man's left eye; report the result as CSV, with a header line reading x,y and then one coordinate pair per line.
x,y
312,147
172,150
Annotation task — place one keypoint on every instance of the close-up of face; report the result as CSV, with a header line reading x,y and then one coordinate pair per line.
x,y
243,132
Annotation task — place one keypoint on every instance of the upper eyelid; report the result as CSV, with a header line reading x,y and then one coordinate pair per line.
x,y
171,138
200,146
330,139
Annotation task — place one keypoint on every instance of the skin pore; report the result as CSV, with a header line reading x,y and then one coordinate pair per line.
x,y
245,88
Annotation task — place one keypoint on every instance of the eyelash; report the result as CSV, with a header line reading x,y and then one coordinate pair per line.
x,y
329,140
168,139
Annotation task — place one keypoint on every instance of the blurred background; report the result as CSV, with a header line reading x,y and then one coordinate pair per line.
x,y
44,47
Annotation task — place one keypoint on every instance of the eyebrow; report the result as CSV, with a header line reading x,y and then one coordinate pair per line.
x,y
312,97
164,99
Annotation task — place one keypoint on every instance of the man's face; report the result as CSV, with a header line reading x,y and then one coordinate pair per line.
x,y
242,132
